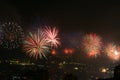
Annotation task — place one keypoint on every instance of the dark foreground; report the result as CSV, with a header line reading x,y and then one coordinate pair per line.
x,y
33,72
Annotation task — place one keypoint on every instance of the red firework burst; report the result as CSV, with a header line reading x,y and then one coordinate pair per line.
x,y
91,44
36,45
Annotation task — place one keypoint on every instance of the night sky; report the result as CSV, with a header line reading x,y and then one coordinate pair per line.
x,y
71,16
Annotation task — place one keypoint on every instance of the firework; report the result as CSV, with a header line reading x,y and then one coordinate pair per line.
x,y
12,35
113,51
91,44
71,51
53,52
68,50
52,36
36,45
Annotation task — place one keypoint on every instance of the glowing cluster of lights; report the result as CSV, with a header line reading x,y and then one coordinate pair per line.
x,y
53,52
104,70
68,51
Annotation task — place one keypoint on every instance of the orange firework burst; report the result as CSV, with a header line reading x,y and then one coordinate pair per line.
x,y
113,51
68,50
92,44
53,52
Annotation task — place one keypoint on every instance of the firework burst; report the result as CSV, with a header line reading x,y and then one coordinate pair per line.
x,y
12,35
36,45
113,51
52,36
91,44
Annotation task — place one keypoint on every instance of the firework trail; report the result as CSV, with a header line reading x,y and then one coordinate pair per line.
x,y
52,36
36,45
91,44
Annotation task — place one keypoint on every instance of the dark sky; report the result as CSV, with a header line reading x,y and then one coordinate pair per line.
x,y
70,16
